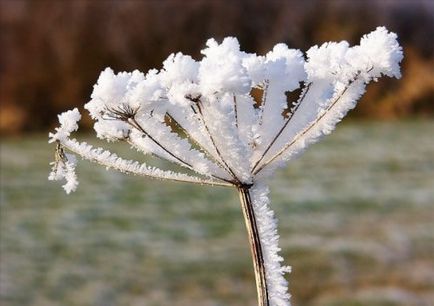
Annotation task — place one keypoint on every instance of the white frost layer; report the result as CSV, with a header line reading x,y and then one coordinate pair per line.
x,y
65,169
111,160
180,147
68,124
267,225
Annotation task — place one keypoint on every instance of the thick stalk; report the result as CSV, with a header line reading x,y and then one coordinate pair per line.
x,y
255,245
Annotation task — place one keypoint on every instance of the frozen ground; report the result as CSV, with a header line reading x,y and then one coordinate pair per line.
x,y
356,222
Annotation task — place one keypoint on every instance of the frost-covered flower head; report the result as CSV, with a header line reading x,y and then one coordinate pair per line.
x,y
201,115
378,52
68,124
221,69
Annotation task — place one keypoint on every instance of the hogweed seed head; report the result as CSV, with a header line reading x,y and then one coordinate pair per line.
x,y
227,138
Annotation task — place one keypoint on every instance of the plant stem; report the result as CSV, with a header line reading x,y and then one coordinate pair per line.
x,y
283,127
199,108
255,245
93,156
236,111
182,162
308,128
197,142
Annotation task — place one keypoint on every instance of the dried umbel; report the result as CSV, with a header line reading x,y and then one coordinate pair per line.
x,y
201,115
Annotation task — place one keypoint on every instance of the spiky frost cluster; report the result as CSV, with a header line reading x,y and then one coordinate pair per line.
x,y
202,114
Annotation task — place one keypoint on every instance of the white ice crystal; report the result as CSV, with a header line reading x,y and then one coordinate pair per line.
x,y
64,168
178,69
221,70
201,115
267,224
68,124
379,53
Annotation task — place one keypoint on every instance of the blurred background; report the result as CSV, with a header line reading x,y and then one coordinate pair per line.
x,y
356,212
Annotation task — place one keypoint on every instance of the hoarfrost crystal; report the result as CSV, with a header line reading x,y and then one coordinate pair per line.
x,y
202,115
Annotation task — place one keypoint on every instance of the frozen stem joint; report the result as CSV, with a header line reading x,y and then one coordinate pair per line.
x,y
64,168
201,115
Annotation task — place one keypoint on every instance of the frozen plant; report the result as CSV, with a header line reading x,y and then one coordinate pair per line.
x,y
202,115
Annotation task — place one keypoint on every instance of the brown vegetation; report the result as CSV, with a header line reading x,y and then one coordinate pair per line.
x,y
53,51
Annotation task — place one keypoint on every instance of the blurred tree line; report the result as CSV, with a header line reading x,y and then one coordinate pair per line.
x,y
53,51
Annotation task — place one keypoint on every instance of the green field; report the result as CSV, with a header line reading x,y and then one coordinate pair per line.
x,y
356,219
